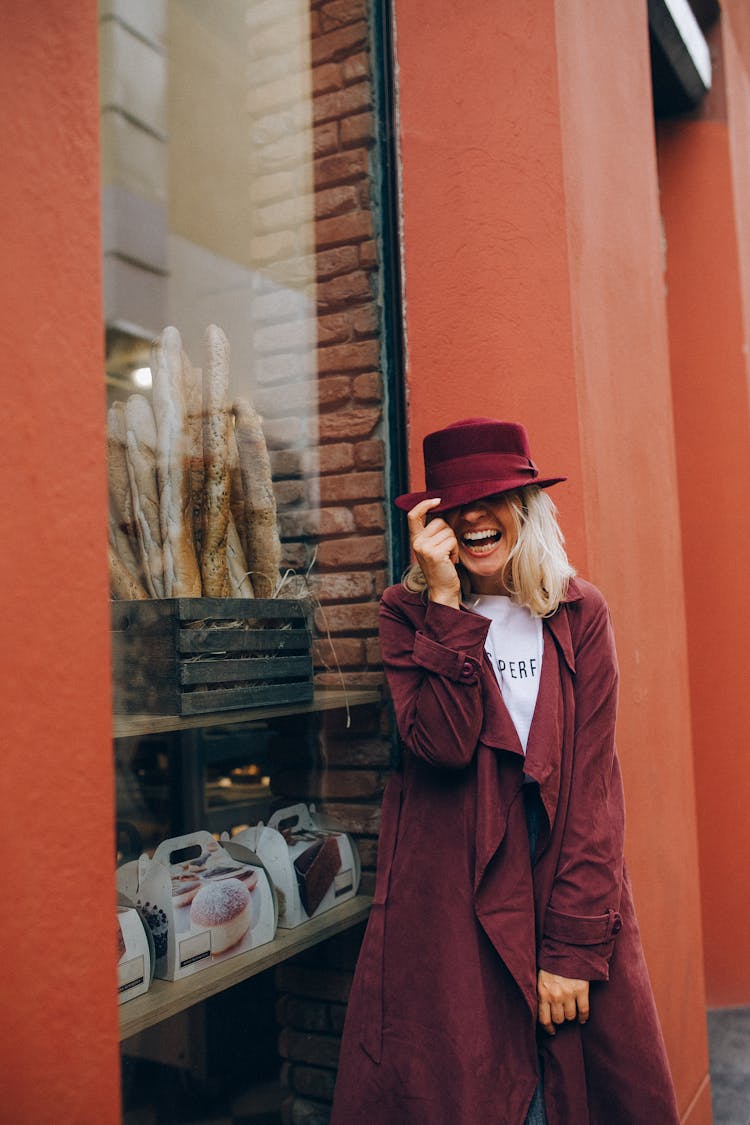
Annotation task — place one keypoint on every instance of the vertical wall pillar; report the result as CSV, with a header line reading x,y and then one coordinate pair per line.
x,y
58,1056
702,165
534,290
488,319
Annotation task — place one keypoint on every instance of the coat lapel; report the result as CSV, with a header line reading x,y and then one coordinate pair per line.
x,y
493,789
543,750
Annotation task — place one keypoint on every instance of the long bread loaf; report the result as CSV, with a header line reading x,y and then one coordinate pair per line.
x,y
216,422
141,461
239,578
122,530
194,407
181,574
122,584
263,542
236,489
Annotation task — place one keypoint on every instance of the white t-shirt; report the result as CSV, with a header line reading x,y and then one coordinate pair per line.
x,y
514,646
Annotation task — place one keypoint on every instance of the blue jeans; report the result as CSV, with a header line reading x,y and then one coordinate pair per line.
x,y
536,1114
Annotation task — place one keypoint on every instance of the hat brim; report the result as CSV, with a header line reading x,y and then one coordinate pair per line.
x,y
455,496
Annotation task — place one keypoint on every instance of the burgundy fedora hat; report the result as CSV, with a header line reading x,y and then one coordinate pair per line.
x,y
474,458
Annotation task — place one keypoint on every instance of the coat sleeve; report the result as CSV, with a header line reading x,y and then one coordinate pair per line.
x,y
432,668
582,918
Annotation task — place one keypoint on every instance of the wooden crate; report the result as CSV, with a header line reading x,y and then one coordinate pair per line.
x,y
189,656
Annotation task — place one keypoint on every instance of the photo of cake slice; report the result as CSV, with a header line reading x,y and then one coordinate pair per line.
x,y
315,869
120,942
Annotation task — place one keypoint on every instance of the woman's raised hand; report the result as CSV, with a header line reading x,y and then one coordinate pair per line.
x,y
435,548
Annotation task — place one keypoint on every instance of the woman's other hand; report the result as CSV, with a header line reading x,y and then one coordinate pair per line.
x,y
435,548
560,999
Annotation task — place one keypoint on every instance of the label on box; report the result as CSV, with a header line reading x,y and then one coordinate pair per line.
x,y
343,883
131,974
197,947
134,962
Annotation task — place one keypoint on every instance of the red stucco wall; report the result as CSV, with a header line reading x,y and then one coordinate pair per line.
x,y
703,166
59,1042
534,290
488,318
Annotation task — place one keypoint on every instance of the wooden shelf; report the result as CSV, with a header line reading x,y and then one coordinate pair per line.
x,y
167,998
130,726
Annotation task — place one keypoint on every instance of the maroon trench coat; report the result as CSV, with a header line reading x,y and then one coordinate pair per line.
x,y
441,1026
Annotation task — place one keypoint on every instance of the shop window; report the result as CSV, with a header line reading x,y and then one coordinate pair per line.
x,y
244,298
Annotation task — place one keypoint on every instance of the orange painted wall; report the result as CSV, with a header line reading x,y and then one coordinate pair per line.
x,y
58,1050
488,318
703,171
534,289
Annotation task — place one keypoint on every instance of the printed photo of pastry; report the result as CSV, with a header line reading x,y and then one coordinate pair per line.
x,y
315,870
184,888
224,908
120,942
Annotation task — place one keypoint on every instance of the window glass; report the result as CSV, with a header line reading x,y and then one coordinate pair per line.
x,y
243,301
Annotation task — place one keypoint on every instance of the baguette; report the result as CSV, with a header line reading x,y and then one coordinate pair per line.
x,y
239,578
122,530
263,542
122,584
236,489
216,422
181,573
194,430
141,461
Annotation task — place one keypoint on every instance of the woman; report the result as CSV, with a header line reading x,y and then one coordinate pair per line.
x,y
501,979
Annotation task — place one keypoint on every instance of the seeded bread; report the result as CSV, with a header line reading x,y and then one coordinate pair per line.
x,y
216,422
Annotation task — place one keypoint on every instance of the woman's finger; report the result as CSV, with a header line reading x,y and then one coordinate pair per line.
x,y
417,516
434,542
545,1017
437,557
558,1013
570,1008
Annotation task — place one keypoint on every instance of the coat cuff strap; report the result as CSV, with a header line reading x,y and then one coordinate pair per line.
x,y
451,643
454,664
581,929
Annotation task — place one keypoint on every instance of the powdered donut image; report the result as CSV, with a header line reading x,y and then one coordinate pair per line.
x,y
225,909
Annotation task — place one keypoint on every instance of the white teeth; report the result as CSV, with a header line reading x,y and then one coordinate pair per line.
x,y
481,542
478,536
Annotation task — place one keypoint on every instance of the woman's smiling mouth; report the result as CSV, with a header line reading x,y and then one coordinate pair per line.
x,y
481,542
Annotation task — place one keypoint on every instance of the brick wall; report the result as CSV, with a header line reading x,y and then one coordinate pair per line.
x,y
324,423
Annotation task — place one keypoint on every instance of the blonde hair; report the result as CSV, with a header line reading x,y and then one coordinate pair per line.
x,y
537,570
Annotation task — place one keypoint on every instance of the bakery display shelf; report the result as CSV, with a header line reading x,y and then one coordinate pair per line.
x,y
130,726
168,998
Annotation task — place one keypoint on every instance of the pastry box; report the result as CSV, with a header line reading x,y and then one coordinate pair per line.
x,y
189,656
313,864
203,902
135,953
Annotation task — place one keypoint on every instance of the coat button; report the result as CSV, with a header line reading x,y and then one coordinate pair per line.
x,y
467,670
617,924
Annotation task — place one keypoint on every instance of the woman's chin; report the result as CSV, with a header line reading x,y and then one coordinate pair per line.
x,y
485,570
